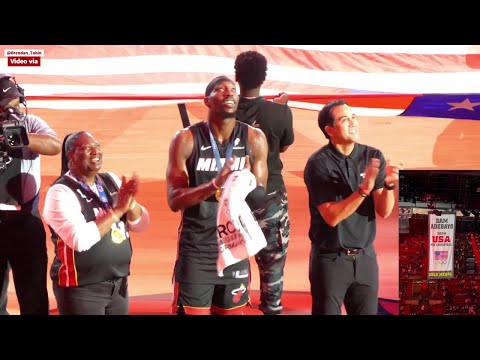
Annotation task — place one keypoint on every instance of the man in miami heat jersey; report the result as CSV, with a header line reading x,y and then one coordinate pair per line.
x,y
201,157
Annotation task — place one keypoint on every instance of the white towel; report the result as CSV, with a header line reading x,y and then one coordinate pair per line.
x,y
239,235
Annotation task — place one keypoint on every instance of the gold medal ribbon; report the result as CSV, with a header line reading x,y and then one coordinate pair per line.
x,y
216,153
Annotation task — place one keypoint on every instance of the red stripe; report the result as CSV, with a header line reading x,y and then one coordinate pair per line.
x,y
187,309
196,311
174,309
235,311
374,101
309,59
67,274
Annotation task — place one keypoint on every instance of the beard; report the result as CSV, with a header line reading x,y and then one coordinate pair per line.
x,y
227,115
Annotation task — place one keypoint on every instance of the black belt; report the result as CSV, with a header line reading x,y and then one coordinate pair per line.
x,y
346,251
11,216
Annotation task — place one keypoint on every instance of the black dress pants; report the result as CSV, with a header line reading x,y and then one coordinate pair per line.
x,y
338,278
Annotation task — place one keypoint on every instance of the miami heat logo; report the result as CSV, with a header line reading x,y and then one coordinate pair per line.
x,y
237,293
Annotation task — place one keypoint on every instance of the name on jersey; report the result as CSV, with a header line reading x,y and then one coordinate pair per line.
x,y
210,164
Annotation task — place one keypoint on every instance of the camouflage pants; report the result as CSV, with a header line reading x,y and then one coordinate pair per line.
x,y
275,224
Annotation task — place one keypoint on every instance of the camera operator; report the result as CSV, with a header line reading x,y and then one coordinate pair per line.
x,y
22,234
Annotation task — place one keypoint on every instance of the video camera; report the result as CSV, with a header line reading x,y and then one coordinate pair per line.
x,y
13,134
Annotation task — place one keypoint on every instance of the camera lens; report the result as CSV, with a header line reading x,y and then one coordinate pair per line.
x,y
14,139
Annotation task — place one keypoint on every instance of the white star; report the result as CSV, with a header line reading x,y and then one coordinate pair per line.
x,y
465,104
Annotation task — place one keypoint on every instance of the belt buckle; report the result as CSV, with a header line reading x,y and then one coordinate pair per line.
x,y
351,252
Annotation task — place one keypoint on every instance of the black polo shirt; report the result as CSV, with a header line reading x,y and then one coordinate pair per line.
x,y
332,176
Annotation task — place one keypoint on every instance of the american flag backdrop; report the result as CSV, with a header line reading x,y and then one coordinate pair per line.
x,y
424,80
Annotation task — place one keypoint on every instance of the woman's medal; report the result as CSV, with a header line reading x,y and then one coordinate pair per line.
x,y
117,235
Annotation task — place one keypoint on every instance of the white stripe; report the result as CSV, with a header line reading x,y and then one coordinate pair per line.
x,y
100,104
391,49
384,82
388,82
144,89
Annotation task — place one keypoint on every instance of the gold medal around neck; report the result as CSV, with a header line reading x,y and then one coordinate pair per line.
x,y
117,235
218,194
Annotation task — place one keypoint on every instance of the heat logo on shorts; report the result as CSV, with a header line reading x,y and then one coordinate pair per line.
x,y
237,293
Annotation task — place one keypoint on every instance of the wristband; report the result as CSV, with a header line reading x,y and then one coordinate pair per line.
x,y
389,187
215,184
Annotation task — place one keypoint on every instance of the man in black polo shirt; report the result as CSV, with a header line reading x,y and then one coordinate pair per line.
x,y
348,183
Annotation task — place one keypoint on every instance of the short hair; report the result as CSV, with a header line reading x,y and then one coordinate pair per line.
x,y
212,84
68,144
250,69
325,117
